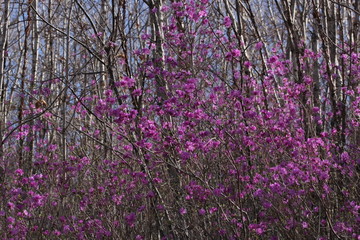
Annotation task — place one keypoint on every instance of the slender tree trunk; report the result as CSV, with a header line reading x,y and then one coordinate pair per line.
x,y
4,24
3,43
315,73
34,76
23,163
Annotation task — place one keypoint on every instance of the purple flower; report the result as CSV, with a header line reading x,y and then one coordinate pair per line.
x,y
117,199
232,54
308,80
259,45
182,211
137,92
305,225
212,210
127,82
130,219
247,64
11,220
227,22
236,52
11,205
259,231
52,147
273,59
38,200
316,109
202,211
19,172
202,14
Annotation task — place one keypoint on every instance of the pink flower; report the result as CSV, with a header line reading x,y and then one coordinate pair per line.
x,y
127,82
130,219
305,225
183,211
259,45
212,210
202,13
236,52
11,220
259,231
273,59
11,205
137,92
117,199
202,212
52,147
19,172
247,64
227,22
308,80
57,233
233,54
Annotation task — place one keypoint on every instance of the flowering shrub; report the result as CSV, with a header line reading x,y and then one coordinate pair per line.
x,y
201,145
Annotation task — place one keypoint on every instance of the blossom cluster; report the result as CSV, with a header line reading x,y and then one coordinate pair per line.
x,y
225,153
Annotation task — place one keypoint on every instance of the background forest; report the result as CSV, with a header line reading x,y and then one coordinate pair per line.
x,y
165,119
